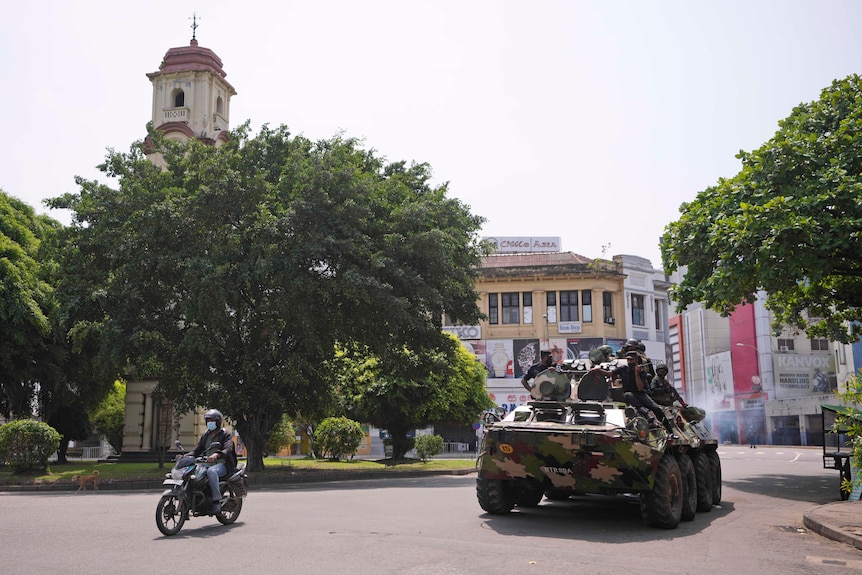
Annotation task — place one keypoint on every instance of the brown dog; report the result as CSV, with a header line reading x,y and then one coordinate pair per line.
x,y
84,480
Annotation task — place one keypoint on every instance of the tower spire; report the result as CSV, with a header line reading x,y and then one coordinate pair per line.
x,y
194,25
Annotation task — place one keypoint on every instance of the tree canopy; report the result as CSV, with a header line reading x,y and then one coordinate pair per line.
x,y
413,390
231,274
26,302
789,223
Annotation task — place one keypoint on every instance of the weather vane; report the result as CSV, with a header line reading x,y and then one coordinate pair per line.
x,y
194,24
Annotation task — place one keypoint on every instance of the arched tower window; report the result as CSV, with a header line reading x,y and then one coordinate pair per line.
x,y
220,106
179,98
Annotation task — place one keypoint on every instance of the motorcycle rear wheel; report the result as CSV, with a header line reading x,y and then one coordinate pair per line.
x,y
230,509
171,514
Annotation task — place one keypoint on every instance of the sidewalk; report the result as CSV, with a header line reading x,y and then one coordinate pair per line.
x,y
839,521
254,480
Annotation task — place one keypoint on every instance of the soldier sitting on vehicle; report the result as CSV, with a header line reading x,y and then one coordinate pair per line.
x,y
635,383
660,389
546,362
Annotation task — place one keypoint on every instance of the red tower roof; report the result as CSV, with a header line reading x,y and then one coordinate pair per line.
x,y
190,58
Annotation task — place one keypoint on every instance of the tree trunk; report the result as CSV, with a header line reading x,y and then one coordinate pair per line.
x,y
401,444
253,431
62,450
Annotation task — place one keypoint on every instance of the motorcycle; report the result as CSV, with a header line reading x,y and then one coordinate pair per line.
x,y
188,493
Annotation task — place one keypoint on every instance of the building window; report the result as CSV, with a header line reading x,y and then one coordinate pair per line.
x,y
638,312
510,307
179,99
493,309
569,306
527,300
587,305
219,106
658,309
819,344
608,307
785,345
551,305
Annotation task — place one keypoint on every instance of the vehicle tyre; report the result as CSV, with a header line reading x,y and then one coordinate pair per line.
x,y
662,507
230,509
715,466
703,475
689,487
530,495
558,494
493,495
171,513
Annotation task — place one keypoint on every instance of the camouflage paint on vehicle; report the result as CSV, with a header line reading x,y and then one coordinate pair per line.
x,y
596,444
599,460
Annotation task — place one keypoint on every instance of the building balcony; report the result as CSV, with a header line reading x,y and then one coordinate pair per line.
x,y
175,115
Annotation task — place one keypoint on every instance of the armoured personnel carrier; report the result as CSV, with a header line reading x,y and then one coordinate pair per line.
x,y
578,437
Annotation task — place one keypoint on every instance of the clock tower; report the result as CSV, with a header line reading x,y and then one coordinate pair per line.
x,y
191,98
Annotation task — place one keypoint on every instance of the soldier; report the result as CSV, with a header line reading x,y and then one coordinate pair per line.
x,y
660,388
635,383
546,361
601,354
637,345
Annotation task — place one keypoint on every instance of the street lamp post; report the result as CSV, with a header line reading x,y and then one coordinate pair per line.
x,y
756,380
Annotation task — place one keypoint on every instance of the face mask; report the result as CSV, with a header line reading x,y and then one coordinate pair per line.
x,y
211,425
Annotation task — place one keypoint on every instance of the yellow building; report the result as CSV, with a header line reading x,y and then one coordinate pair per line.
x,y
557,301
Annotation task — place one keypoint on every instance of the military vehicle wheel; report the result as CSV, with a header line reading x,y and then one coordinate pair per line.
x,y
557,494
493,495
689,484
715,466
530,496
662,507
703,475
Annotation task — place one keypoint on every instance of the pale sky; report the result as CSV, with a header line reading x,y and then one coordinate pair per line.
x,y
590,120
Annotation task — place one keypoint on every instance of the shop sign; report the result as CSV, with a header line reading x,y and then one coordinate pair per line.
x,y
569,327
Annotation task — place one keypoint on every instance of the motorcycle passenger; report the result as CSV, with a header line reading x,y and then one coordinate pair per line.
x,y
222,461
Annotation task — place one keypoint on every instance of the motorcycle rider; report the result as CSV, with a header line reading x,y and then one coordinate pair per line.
x,y
222,461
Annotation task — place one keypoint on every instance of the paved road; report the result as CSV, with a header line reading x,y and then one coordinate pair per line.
x,y
434,525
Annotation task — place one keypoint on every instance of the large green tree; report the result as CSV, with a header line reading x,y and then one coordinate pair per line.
x,y
26,304
231,274
412,389
46,367
789,223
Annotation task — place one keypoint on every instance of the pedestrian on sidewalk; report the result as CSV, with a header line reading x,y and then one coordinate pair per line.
x,y
751,437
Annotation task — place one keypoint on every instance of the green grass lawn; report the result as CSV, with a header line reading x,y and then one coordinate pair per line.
x,y
63,473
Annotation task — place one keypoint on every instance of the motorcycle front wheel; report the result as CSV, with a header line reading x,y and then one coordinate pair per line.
x,y
230,509
170,513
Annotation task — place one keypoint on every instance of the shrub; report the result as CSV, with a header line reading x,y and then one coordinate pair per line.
x,y
109,417
280,436
26,444
428,446
338,436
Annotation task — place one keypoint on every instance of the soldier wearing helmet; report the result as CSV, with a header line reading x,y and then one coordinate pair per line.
x,y
635,386
638,346
222,460
660,388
